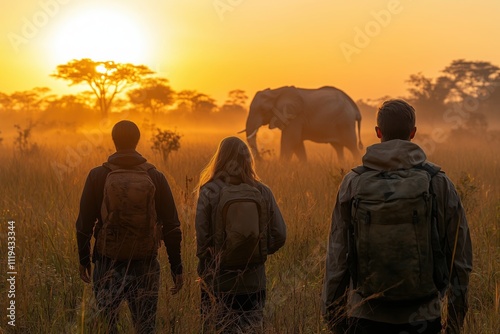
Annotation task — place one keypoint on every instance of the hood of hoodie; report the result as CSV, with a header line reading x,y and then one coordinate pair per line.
x,y
126,158
393,154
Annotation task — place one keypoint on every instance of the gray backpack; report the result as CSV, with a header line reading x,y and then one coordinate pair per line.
x,y
394,252
240,227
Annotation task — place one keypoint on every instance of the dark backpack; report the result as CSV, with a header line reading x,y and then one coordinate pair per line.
x,y
394,252
240,227
129,226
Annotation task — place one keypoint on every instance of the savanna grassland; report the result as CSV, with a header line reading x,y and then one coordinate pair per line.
x,y
40,191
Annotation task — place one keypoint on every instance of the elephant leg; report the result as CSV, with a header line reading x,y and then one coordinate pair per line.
x,y
300,152
286,150
340,151
352,146
354,151
291,142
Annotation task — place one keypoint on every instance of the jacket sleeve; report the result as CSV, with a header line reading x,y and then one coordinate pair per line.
x,y
458,249
202,224
87,218
337,277
277,227
204,233
167,216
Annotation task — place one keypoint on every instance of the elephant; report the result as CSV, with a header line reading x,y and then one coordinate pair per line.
x,y
322,115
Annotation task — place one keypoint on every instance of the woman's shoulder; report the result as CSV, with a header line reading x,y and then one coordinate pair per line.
x,y
212,186
264,189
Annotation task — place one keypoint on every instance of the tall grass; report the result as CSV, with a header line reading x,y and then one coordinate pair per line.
x,y
51,298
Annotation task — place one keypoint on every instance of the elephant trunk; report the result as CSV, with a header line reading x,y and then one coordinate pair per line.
x,y
254,121
252,142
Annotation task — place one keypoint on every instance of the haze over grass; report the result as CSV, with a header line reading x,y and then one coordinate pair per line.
x,y
51,298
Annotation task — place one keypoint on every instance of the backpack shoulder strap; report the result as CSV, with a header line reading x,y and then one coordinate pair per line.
x,y
429,167
441,272
145,166
111,166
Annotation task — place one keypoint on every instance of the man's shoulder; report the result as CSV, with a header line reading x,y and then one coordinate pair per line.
x,y
436,172
211,187
263,188
99,171
351,175
152,171
346,186
158,177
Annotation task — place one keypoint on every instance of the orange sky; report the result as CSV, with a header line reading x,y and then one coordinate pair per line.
x,y
366,48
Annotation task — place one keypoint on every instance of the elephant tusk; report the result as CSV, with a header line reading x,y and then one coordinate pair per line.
x,y
252,134
242,131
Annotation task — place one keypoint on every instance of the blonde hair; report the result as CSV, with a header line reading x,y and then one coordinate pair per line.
x,y
232,159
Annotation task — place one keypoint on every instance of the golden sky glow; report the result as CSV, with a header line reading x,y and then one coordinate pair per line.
x,y
367,48
99,34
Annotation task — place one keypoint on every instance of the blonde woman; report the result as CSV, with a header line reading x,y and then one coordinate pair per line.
x,y
238,224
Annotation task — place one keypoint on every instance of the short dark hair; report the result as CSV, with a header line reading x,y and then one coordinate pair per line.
x,y
396,119
125,135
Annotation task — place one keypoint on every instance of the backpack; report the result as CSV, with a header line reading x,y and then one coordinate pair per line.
x,y
129,226
240,227
394,253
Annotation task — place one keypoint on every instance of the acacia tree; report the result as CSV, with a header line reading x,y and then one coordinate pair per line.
x,y
429,95
153,94
29,101
195,102
471,78
5,102
234,107
106,79
237,97
65,103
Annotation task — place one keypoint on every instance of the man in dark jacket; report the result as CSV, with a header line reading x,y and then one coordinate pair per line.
x,y
343,306
137,281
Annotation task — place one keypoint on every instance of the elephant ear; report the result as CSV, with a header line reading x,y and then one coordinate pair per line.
x,y
275,123
281,118
265,99
287,107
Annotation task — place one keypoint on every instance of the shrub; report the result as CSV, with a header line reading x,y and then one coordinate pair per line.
x,y
165,142
23,141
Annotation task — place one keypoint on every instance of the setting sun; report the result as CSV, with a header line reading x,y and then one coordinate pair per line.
x,y
100,34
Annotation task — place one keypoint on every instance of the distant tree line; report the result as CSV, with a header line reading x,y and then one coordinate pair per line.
x,y
117,87
465,96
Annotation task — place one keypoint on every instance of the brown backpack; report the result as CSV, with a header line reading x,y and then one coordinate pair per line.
x,y
129,226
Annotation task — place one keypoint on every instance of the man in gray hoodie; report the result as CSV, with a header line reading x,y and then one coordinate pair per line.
x,y
344,307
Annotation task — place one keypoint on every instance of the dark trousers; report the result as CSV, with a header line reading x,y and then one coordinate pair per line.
x,y
137,282
364,326
225,312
